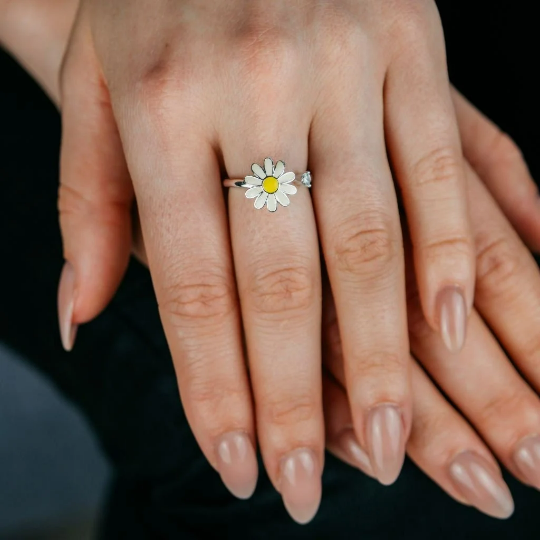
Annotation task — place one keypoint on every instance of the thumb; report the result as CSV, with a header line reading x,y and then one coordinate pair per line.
x,y
95,195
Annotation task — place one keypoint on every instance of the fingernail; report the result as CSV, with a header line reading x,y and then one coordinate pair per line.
x,y
481,485
386,447
237,464
452,311
301,484
348,443
527,458
66,301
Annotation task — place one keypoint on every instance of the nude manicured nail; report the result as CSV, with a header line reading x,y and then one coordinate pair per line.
x,y
452,313
481,485
301,484
527,459
66,302
348,443
237,464
385,441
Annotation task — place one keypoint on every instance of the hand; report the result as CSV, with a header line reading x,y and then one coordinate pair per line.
x,y
485,386
523,185
189,90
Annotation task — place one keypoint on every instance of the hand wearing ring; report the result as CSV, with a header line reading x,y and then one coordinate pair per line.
x,y
167,117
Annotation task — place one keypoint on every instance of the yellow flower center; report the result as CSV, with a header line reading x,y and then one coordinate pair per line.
x,y
270,184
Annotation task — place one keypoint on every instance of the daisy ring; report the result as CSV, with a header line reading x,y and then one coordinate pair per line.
x,y
270,185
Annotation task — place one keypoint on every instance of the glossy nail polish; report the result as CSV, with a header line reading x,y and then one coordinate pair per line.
x,y
481,485
527,459
385,442
237,464
301,484
452,313
348,443
66,301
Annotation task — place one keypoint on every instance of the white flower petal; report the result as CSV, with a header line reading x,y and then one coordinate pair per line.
x,y
287,188
268,166
253,192
271,204
279,170
253,181
257,171
260,201
286,178
282,198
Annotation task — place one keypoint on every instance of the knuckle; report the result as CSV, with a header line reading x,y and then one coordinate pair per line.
x,y
429,435
440,168
408,18
208,395
201,297
497,263
365,246
76,204
510,404
156,92
456,248
262,47
504,152
382,366
283,289
292,408
343,33
71,201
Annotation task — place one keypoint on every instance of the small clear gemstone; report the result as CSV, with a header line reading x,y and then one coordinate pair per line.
x,y
306,179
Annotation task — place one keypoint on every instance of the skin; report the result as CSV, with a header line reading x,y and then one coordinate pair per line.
x,y
192,91
439,433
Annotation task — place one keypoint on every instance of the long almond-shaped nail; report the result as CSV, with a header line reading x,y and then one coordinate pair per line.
x,y
237,464
301,487
66,302
480,484
348,443
527,459
452,313
385,442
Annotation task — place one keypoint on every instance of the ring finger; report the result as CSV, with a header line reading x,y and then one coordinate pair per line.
x,y
278,273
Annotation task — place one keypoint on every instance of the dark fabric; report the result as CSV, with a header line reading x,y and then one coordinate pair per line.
x,y
120,373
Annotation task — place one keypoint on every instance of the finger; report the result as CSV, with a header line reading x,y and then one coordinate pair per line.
x,y
360,234
277,266
424,146
486,388
182,213
441,443
95,193
508,283
448,450
499,163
